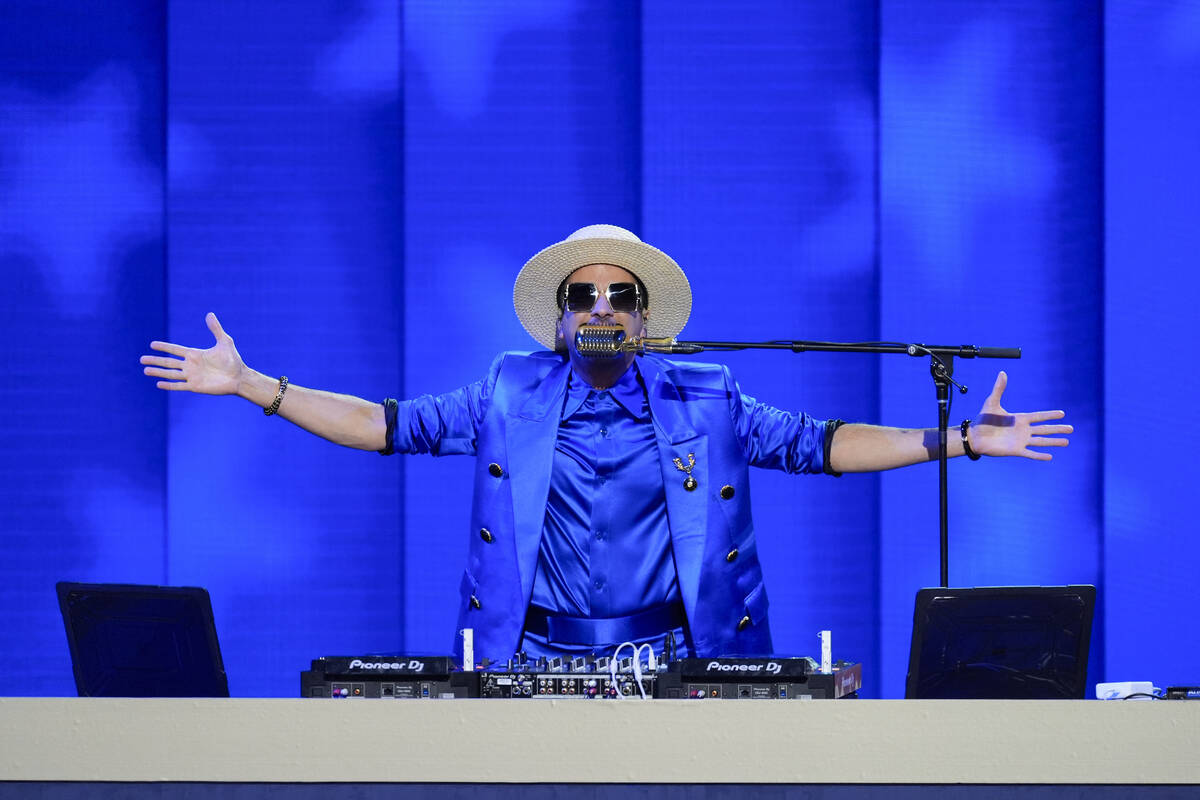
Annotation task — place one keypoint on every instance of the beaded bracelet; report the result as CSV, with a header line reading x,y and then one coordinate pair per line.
x,y
283,383
971,454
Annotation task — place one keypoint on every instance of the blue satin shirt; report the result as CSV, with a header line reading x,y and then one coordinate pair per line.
x,y
606,547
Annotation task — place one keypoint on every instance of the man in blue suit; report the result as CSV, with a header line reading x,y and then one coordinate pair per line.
x,y
611,496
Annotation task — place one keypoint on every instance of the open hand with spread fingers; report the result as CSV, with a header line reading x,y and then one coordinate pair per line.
x,y
998,433
217,370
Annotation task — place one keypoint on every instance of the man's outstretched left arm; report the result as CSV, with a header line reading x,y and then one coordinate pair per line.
x,y
996,432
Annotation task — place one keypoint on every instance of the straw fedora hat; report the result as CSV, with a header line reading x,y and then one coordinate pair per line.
x,y
535,292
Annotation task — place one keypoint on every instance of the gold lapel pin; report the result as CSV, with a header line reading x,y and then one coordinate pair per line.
x,y
689,483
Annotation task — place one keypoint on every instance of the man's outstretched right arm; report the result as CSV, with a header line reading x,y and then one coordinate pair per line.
x,y
340,418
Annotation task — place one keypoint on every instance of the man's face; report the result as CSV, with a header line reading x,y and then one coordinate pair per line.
x,y
633,323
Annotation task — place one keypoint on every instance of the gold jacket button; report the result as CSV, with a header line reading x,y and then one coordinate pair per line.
x,y
476,604
486,535
733,554
496,470
742,623
726,492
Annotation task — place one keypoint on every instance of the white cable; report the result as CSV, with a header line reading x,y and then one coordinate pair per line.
x,y
650,665
637,667
612,669
637,670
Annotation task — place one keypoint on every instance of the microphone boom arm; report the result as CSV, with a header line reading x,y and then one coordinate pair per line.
x,y
602,341
641,344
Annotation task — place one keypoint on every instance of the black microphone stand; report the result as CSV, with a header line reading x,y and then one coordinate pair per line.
x,y
941,368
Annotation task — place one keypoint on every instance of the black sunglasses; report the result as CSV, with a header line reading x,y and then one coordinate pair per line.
x,y
622,297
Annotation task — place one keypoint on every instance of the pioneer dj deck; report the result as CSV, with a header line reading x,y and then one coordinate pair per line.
x,y
437,677
757,679
387,677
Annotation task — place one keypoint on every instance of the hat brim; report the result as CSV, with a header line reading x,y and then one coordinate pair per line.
x,y
534,293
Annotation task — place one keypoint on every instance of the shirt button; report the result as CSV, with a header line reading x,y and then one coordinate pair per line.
x,y
599,584
495,469
486,535
733,554
604,432
600,535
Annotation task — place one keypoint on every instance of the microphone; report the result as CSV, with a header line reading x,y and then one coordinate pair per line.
x,y
605,341
599,341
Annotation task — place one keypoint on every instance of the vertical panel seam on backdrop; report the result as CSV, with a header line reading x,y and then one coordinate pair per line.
x,y
401,389
639,150
1098,647
165,414
877,258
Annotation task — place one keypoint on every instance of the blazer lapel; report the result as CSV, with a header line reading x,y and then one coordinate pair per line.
x,y
530,435
687,510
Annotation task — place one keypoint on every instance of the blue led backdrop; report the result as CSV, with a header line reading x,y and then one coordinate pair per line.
x,y
352,187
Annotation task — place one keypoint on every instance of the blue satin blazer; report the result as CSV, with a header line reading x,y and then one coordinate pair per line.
x,y
509,421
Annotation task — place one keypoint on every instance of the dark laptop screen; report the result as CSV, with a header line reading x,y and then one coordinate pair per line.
x,y
1001,642
142,641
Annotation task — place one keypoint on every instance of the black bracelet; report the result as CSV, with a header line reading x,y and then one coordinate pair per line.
x,y
271,409
971,454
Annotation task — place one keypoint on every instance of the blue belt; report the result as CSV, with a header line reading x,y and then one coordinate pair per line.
x,y
559,629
